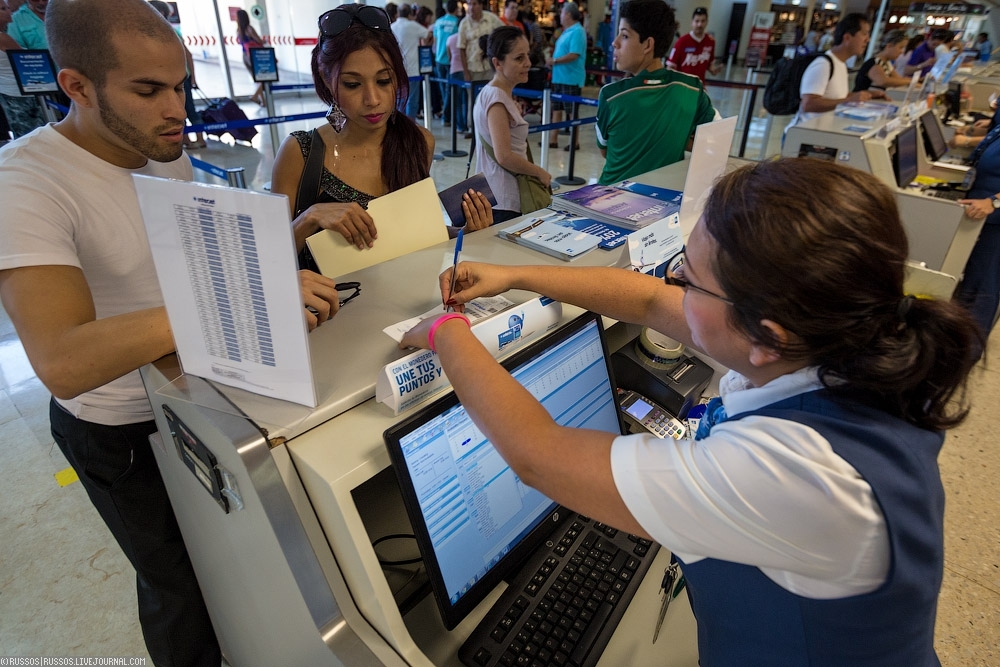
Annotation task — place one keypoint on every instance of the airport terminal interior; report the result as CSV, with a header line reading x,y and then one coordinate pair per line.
x,y
66,589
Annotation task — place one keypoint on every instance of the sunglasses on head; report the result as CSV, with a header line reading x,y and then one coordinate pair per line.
x,y
336,21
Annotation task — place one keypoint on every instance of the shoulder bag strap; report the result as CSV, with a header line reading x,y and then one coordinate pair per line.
x,y
309,191
311,173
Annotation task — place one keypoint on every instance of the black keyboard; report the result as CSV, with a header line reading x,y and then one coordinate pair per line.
x,y
566,602
951,195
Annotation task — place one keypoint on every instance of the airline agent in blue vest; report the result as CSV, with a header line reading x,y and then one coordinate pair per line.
x,y
809,521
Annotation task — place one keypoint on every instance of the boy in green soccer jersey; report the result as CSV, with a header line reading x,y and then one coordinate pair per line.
x,y
646,120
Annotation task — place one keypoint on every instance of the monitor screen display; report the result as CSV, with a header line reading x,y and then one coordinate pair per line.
x,y
904,160
934,144
473,517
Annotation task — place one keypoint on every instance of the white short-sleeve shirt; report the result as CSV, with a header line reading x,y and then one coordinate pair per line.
x,y
62,205
761,491
818,80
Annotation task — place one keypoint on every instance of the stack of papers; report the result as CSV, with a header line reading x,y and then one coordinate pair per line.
x,y
551,238
619,206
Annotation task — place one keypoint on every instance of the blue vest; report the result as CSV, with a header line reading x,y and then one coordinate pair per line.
x,y
746,619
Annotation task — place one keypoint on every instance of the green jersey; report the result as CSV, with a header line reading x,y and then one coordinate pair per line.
x,y
644,122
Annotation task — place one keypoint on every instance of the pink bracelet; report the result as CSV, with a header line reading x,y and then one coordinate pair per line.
x,y
441,320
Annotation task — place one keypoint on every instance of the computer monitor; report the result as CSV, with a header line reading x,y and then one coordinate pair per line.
x,y
934,144
904,159
475,521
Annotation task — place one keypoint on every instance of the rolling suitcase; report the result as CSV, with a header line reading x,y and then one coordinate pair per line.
x,y
223,109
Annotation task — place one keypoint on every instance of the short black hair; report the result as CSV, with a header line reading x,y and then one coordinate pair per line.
x,y
699,11
651,18
943,34
81,32
849,25
452,6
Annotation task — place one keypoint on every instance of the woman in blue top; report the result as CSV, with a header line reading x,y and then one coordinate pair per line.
x,y
808,521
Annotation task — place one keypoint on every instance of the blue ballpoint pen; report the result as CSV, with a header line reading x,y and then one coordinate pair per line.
x,y
454,266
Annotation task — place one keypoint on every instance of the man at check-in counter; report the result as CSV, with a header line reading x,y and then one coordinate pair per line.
x,y
824,84
77,279
813,502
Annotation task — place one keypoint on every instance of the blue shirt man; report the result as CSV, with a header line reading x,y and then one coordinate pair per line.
x,y
443,28
27,25
568,64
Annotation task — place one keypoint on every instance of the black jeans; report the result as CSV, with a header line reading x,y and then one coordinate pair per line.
x,y
117,468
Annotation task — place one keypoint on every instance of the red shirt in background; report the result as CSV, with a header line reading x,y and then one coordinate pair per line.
x,y
691,56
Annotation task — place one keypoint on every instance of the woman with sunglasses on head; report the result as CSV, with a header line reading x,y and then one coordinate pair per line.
x,y
502,145
370,148
808,522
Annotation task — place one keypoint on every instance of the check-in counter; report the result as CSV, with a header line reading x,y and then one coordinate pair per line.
x,y
940,235
832,137
283,550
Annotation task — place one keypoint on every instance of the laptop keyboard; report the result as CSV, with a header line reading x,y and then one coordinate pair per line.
x,y
566,603
951,195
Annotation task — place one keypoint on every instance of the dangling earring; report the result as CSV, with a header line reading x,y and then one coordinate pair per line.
x,y
336,118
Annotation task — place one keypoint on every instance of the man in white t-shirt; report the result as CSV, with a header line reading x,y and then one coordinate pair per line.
x,y
77,279
823,88
410,36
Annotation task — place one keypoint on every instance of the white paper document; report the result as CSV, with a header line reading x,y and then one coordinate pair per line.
x,y
406,220
227,267
653,245
709,157
475,310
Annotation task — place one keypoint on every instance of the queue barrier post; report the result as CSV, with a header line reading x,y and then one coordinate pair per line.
x,y
570,179
546,119
454,152
269,102
236,177
425,84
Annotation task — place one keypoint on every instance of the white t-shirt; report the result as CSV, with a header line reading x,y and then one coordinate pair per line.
x,y
502,182
761,491
409,33
65,206
816,80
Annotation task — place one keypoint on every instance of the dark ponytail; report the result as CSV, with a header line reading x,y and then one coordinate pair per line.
x,y
832,275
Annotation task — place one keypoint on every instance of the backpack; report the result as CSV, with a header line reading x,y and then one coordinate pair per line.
x,y
781,94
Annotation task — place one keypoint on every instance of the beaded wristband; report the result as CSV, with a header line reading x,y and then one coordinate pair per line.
x,y
441,320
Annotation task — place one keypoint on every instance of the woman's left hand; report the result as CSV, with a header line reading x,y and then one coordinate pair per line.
x,y
977,209
477,210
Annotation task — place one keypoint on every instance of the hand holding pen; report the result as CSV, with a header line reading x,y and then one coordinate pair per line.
x,y
454,266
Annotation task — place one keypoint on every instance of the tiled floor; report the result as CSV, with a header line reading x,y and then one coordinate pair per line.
x,y
66,589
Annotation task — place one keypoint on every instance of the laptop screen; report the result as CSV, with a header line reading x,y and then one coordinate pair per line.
x,y
934,142
905,158
473,518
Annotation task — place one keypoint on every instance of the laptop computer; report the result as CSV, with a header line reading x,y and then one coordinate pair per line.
x,y
477,524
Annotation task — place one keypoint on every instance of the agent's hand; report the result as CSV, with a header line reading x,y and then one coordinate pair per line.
x,y
474,280
860,96
319,296
477,210
545,177
349,220
977,209
981,124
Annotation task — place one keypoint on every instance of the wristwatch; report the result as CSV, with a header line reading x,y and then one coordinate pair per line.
x,y
995,202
